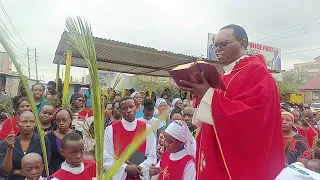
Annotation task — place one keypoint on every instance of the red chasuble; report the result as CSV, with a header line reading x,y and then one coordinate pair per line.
x,y
88,173
172,170
309,134
246,142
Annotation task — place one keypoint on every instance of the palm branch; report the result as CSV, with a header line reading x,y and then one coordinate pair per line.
x,y
123,92
14,57
81,39
114,86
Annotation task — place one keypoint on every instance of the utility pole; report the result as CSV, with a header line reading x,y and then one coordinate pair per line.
x,y
28,61
36,61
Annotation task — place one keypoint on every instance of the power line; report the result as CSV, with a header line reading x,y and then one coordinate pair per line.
x,y
270,32
295,52
293,35
12,41
4,10
20,47
287,32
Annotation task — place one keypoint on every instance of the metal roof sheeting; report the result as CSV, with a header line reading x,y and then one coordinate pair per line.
x,y
125,58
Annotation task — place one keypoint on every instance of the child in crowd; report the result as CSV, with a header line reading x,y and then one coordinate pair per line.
x,y
74,167
46,118
178,161
32,166
148,118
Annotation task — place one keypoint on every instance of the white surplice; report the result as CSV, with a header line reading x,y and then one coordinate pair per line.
x,y
108,152
189,172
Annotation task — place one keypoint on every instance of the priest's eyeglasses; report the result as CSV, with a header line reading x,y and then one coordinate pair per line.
x,y
222,44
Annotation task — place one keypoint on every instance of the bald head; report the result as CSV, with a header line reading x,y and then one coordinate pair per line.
x,y
26,114
31,158
189,110
313,165
307,112
295,112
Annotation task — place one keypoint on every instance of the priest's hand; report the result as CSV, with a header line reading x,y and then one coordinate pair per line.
x,y
132,169
197,89
153,170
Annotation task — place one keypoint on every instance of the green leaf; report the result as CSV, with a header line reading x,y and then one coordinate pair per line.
x,y
81,39
8,47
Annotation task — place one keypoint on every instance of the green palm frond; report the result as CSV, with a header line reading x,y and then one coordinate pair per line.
x,y
7,46
114,86
81,39
123,92
188,98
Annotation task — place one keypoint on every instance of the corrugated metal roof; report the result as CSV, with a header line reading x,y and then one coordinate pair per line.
x,y
126,58
313,84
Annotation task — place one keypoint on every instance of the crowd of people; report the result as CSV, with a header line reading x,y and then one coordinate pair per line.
x,y
234,133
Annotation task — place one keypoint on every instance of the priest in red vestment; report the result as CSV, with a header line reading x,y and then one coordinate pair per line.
x,y
119,136
241,129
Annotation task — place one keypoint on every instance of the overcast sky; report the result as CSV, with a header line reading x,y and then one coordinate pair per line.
x,y
180,26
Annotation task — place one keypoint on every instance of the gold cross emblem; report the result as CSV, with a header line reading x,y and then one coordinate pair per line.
x,y
165,173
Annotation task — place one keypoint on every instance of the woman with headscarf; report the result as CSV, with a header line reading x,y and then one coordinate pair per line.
x,y
177,103
162,112
138,101
178,162
296,146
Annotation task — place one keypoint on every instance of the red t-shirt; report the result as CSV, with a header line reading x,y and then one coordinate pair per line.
x,y
309,134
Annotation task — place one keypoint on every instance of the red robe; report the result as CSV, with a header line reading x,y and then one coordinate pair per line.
x,y
88,173
7,127
246,141
172,170
309,134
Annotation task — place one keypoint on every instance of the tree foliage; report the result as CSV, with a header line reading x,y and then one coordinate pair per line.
x,y
147,84
293,80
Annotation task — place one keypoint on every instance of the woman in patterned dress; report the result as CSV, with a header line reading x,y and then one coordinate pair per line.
x,y
296,146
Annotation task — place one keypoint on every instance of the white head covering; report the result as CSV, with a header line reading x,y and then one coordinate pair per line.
x,y
180,131
174,101
160,101
134,94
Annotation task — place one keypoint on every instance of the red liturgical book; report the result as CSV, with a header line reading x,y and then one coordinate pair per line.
x,y
192,72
